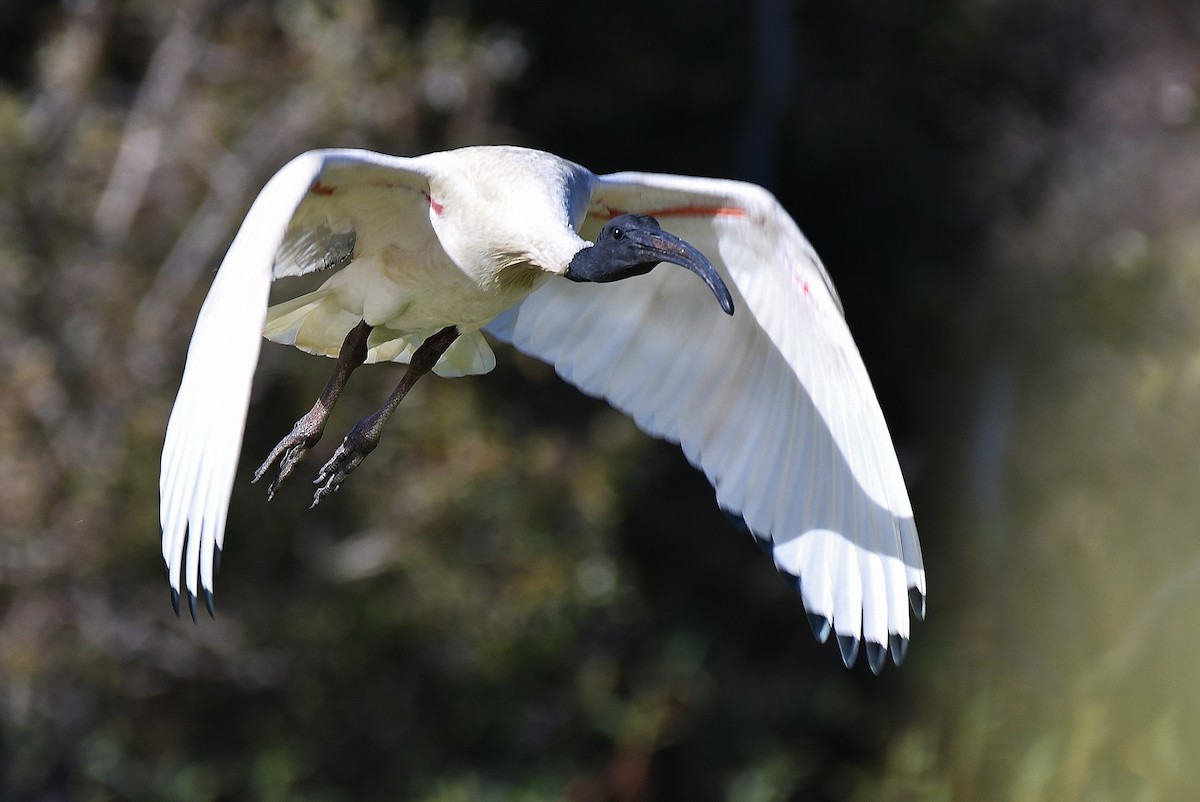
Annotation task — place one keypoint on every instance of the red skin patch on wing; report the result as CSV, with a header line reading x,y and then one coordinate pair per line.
x,y
698,211
434,205
607,213
320,189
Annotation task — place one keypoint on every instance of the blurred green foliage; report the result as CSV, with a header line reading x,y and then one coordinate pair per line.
x,y
520,597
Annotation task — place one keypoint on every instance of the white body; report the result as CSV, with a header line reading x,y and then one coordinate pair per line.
x,y
773,404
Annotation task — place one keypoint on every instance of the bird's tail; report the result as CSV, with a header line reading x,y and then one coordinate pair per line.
x,y
313,322
316,323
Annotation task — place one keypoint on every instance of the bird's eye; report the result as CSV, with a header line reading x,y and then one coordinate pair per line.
x,y
618,234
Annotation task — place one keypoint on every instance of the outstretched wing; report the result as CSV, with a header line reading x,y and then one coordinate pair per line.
x,y
773,404
306,218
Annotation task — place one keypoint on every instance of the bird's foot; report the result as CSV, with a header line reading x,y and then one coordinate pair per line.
x,y
349,455
292,448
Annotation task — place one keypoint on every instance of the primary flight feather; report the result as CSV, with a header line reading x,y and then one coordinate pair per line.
x,y
748,364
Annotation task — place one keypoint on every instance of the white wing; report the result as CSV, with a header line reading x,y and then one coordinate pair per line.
x,y
286,232
773,404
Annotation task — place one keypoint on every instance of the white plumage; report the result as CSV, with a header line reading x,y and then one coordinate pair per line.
x,y
773,403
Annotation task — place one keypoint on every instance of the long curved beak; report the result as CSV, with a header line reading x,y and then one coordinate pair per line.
x,y
669,248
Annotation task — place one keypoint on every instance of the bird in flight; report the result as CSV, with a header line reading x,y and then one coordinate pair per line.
x,y
747,363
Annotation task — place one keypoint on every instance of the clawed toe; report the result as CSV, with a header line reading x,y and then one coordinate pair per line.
x,y
288,454
349,455
335,472
287,465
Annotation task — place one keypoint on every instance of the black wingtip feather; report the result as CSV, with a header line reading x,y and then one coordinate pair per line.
x,y
208,603
820,626
917,600
192,605
849,647
899,647
876,656
175,600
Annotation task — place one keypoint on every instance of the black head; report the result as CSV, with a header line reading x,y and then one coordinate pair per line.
x,y
631,245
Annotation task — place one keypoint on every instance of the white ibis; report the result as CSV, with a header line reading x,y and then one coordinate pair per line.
x,y
763,387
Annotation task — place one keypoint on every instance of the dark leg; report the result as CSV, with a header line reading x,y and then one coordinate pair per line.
x,y
365,436
308,429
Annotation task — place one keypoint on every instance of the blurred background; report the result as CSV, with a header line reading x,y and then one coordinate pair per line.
x,y
1007,194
